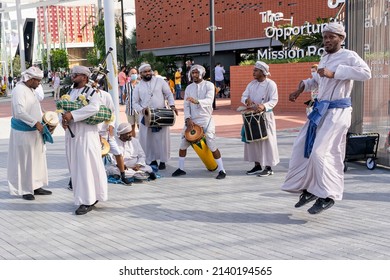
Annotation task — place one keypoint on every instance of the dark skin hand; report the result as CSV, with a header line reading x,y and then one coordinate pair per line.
x,y
39,127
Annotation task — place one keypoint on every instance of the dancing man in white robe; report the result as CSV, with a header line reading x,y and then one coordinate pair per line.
x,y
153,92
83,152
27,165
261,95
316,164
133,155
198,102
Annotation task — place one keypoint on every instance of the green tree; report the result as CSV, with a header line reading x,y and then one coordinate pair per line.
x,y
59,59
99,39
16,66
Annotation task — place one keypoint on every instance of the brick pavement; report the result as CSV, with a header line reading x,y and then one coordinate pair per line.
x,y
196,216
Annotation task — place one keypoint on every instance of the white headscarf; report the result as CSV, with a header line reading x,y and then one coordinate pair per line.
x,y
335,27
144,66
200,68
79,69
263,67
32,73
123,128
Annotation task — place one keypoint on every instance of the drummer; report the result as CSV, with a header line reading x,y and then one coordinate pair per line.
x,y
261,95
153,92
198,101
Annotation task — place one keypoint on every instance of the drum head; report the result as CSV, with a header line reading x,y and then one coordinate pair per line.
x,y
51,118
195,134
105,146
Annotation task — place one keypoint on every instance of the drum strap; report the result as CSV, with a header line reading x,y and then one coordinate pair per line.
x,y
205,129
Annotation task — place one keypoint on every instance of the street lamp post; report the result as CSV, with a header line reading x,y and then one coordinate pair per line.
x,y
212,28
123,34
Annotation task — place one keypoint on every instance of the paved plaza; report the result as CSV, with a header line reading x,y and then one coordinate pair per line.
x,y
196,217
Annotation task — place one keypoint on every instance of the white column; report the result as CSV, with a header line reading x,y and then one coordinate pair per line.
x,y
21,38
109,31
47,37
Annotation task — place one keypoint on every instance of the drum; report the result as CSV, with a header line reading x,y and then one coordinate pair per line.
x,y
255,126
198,142
195,134
159,117
50,119
105,146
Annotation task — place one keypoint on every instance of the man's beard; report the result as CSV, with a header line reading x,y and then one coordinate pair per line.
x,y
147,78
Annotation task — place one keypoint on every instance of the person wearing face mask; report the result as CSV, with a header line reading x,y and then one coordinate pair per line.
x,y
132,115
153,92
133,155
314,91
316,168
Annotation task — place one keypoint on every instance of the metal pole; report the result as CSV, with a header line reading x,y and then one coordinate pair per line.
x,y
212,42
47,37
123,35
21,37
109,32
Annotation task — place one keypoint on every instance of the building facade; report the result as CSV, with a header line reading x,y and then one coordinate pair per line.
x,y
178,27
69,27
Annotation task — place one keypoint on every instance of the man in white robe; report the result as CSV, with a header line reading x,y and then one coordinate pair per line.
x,y
198,101
133,155
106,131
83,151
27,166
261,96
153,92
316,165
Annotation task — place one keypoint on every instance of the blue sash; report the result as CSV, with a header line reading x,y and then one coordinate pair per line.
x,y
22,126
319,110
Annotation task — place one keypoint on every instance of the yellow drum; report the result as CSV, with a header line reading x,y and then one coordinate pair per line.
x,y
198,142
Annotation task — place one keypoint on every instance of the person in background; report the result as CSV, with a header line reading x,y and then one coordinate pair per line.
x,y
178,83
56,86
219,78
122,77
27,166
171,84
131,113
316,169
